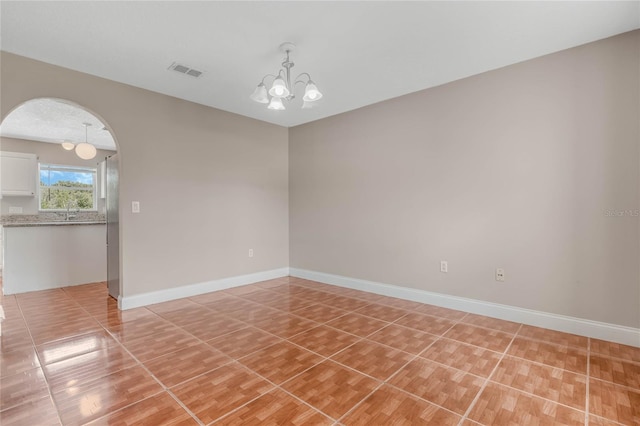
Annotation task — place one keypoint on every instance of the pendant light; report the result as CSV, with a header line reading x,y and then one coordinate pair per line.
x,y
85,150
68,146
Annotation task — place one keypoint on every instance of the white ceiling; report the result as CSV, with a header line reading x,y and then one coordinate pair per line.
x,y
358,53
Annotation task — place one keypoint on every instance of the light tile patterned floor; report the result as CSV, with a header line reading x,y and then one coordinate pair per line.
x,y
292,351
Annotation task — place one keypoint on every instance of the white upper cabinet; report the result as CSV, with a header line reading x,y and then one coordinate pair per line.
x,y
18,175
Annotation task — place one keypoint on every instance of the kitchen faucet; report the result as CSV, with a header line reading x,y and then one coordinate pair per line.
x,y
69,214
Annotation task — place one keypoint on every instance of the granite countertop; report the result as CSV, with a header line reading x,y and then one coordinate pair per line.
x,y
55,223
52,219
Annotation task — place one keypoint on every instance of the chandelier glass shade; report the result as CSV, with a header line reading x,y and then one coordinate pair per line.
x,y
276,103
283,86
260,95
311,92
279,89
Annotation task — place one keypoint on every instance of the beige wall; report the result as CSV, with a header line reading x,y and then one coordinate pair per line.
x,y
211,184
47,153
515,168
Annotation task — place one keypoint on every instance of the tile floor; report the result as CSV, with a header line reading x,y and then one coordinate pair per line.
x,y
291,351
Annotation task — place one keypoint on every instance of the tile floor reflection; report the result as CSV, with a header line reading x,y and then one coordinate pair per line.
x,y
293,351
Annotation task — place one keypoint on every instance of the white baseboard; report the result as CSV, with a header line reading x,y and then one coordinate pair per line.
x,y
599,330
144,299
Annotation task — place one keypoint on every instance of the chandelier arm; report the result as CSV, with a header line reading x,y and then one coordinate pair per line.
x,y
283,74
300,75
268,75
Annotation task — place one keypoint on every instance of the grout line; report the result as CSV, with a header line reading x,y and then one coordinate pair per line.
x,y
275,386
356,405
240,407
542,364
412,359
164,388
416,356
351,334
493,329
514,334
484,385
323,359
505,354
435,337
386,382
307,404
501,384
324,356
279,386
49,391
354,370
423,331
413,356
184,407
617,385
607,421
450,367
424,400
237,358
556,344
325,322
105,415
173,352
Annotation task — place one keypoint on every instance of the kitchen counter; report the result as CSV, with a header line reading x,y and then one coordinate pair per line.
x,y
40,255
54,223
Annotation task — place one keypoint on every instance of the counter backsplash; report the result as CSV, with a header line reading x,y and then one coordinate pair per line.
x,y
52,217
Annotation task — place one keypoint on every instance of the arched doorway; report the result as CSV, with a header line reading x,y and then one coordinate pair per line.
x,y
75,154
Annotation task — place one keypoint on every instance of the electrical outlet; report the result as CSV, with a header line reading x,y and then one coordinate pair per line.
x,y
135,207
15,210
250,252
444,266
499,274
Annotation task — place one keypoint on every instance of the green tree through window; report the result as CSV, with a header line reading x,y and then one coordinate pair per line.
x,y
67,187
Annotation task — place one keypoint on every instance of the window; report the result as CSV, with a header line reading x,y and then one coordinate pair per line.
x,y
67,187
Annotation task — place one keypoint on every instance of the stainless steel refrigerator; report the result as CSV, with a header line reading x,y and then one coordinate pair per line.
x,y
113,227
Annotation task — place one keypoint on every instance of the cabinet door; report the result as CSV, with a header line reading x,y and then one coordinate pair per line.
x,y
18,174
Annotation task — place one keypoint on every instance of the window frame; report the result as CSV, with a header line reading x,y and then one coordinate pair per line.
x,y
65,167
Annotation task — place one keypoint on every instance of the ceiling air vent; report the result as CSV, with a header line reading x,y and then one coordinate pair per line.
x,y
194,73
183,69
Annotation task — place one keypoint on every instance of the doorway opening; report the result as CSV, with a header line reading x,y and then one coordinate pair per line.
x,y
59,170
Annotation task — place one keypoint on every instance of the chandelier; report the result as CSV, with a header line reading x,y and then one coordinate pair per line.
x,y
282,87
